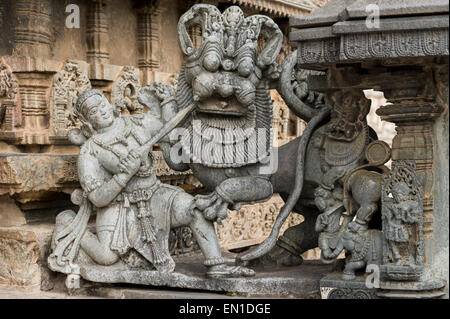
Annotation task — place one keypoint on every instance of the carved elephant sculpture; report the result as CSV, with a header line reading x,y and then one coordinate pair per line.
x,y
364,247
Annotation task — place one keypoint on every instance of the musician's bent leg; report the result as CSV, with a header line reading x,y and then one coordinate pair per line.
x,y
203,230
97,247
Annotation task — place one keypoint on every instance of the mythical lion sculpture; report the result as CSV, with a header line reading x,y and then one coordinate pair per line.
x,y
227,140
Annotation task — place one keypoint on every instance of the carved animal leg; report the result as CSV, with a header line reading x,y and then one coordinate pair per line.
x,y
206,237
245,189
295,241
363,216
350,268
184,215
231,193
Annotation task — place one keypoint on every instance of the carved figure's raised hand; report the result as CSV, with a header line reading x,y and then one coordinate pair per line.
x,y
130,164
164,91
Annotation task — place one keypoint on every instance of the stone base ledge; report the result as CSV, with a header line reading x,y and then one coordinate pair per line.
x,y
300,281
333,286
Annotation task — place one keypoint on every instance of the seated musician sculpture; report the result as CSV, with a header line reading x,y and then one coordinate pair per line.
x,y
134,210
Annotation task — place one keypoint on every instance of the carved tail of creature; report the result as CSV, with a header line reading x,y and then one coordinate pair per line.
x,y
67,240
315,117
270,241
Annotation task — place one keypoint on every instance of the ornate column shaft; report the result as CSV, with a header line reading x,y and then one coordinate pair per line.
x,y
32,35
97,32
413,111
148,33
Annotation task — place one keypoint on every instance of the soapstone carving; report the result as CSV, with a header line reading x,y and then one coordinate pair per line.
x,y
403,222
134,210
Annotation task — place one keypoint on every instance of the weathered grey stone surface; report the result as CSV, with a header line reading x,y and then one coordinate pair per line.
x,y
397,7
300,281
329,35
390,24
332,12
405,57
333,287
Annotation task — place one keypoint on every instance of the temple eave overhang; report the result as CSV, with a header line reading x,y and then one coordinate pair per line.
x,y
280,8
342,37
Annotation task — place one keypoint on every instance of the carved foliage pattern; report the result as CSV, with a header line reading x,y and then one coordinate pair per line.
x,y
252,223
18,262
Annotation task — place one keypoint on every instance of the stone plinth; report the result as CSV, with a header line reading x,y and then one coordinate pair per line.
x,y
332,286
301,281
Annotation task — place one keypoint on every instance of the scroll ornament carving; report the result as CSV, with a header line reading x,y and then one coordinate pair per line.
x,y
10,108
8,82
349,293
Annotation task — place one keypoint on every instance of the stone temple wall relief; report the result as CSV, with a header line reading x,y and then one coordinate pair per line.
x,y
11,113
222,148
403,251
68,84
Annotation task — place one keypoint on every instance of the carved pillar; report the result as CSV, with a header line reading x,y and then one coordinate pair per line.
x,y
148,32
97,32
413,111
32,35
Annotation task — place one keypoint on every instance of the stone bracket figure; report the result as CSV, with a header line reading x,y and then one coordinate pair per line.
x,y
402,213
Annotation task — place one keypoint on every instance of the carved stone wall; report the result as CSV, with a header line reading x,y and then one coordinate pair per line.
x,y
19,256
252,224
44,66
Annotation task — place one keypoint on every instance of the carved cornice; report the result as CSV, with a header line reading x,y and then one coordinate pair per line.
x,y
414,110
280,8
376,45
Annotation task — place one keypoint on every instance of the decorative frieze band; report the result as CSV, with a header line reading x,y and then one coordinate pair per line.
x,y
373,46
